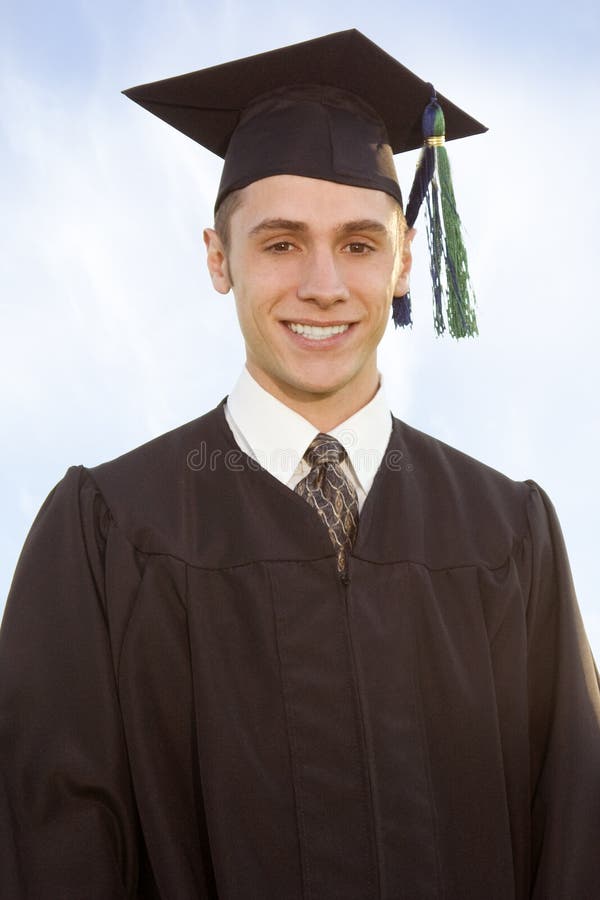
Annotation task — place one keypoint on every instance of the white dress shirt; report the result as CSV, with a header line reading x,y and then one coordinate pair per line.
x,y
277,437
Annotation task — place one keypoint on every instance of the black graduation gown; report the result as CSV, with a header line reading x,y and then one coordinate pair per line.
x,y
195,705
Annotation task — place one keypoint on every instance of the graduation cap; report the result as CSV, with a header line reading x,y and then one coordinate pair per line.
x,y
336,108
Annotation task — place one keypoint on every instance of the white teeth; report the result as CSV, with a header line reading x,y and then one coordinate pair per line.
x,y
317,332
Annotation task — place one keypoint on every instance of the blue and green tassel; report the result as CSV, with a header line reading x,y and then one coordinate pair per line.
x,y
448,256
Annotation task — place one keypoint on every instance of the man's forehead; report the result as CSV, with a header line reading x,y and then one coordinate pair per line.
x,y
299,198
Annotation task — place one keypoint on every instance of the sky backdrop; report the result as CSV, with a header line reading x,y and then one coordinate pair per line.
x,y
110,332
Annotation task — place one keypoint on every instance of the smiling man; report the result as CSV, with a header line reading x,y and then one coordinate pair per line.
x,y
296,649
314,266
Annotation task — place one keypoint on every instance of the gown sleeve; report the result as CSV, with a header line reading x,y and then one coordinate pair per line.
x,y
564,703
67,819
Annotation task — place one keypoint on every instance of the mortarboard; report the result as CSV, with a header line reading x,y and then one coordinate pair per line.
x,y
337,108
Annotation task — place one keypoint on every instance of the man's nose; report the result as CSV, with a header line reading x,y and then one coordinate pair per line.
x,y
321,280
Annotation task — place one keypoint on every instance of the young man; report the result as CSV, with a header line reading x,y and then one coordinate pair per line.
x,y
295,648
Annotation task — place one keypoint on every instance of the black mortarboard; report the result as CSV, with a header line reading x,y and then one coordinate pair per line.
x,y
337,108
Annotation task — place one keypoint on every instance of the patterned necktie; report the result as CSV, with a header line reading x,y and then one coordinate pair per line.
x,y
328,490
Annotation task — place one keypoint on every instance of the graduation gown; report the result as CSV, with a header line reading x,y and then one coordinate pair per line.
x,y
194,704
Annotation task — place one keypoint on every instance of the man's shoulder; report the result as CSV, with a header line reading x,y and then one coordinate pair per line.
x,y
158,455
146,488
435,455
460,493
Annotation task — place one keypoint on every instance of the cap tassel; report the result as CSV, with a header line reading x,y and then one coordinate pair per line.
x,y
402,311
433,183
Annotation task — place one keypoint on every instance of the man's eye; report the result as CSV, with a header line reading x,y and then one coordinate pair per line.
x,y
358,248
281,247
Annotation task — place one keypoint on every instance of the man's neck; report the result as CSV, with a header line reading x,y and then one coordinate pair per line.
x,y
324,411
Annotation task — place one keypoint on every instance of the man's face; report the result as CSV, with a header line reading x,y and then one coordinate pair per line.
x,y
314,266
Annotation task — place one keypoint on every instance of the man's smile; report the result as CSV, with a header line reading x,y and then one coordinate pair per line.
x,y
326,335
318,332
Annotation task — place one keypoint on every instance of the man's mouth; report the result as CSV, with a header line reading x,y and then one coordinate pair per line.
x,y
317,332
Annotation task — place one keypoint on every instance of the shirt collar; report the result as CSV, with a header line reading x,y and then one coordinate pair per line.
x,y
279,437
365,437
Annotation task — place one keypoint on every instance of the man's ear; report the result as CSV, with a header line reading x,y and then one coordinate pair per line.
x,y
402,283
216,261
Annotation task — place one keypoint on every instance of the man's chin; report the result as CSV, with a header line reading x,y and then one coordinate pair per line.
x,y
315,386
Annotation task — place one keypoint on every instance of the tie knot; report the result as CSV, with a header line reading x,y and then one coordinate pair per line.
x,y
324,449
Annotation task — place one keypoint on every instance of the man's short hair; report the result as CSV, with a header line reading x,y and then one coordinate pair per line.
x,y
223,216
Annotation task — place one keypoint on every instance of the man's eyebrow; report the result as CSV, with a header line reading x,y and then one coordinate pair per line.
x,y
372,225
291,225
277,225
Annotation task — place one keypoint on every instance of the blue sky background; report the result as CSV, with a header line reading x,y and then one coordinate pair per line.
x,y
110,332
